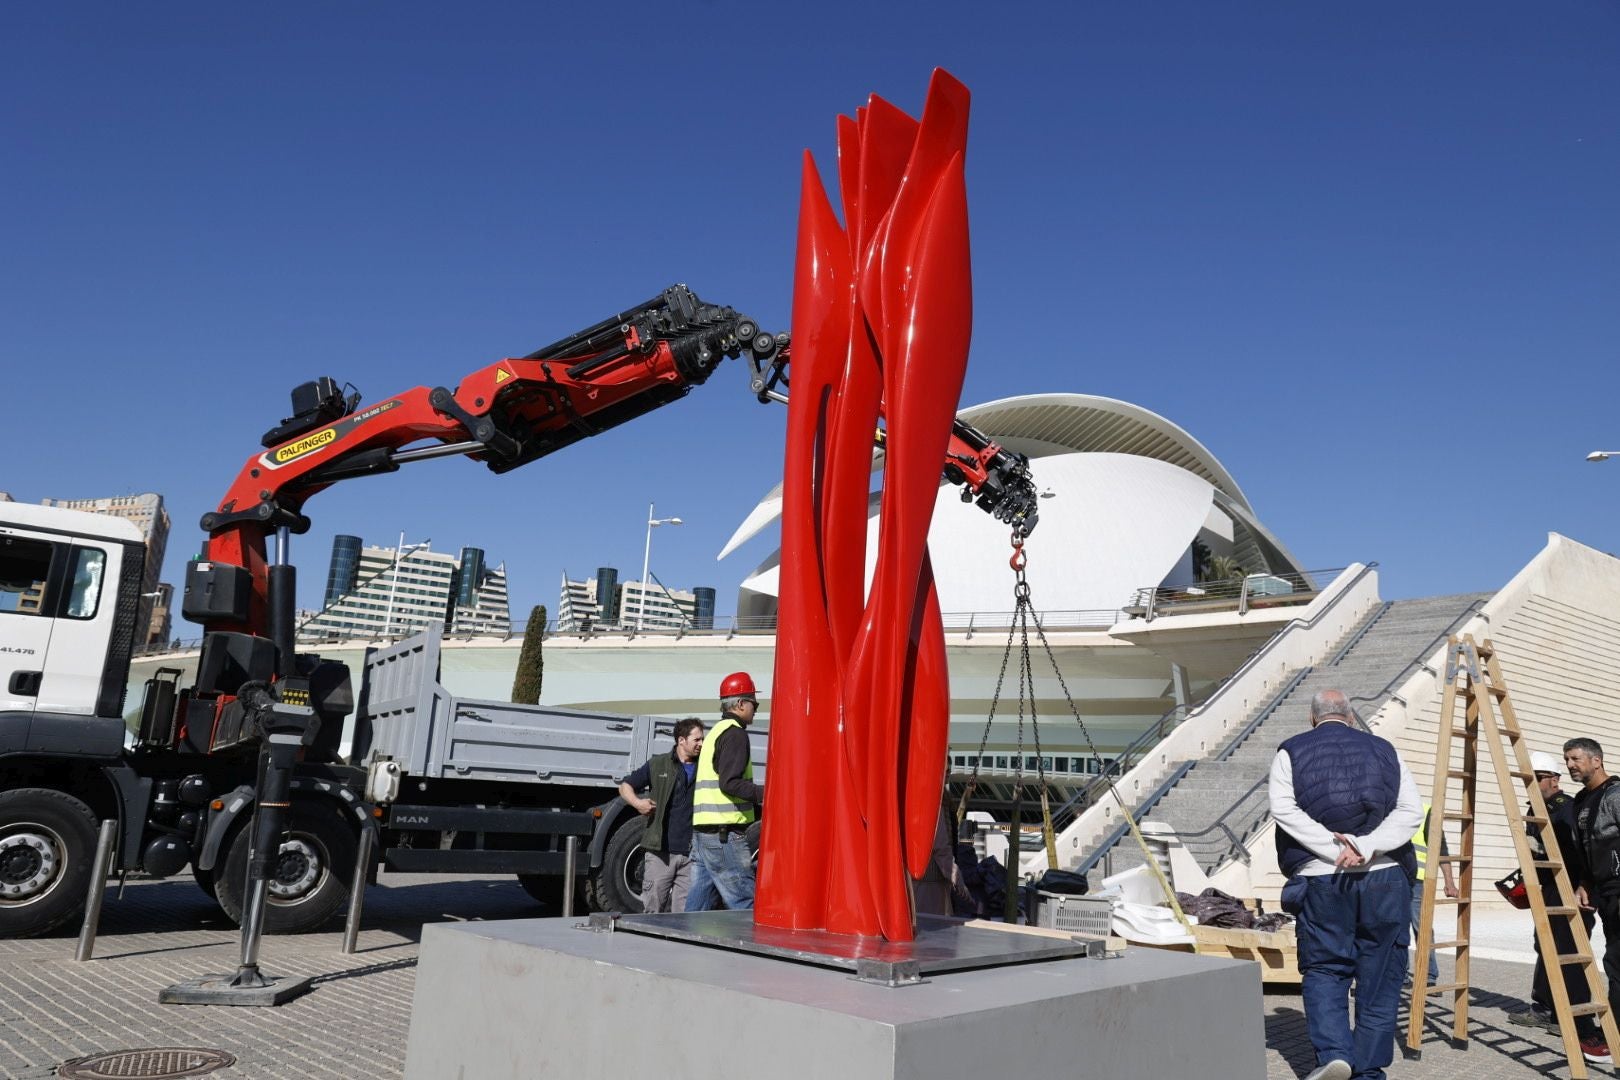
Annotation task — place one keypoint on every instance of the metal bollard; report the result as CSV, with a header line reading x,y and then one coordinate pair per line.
x,y
357,892
98,889
571,846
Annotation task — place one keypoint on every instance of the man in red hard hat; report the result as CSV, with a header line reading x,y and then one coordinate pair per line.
x,y
724,804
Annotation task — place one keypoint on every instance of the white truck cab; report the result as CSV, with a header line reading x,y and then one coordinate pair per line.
x,y
70,586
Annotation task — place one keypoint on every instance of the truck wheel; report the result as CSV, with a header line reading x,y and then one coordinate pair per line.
x,y
47,844
204,879
309,880
618,883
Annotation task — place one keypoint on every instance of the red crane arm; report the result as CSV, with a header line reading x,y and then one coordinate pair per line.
x,y
506,414
522,408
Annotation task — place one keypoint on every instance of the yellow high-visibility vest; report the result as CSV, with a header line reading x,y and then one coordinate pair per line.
x,y
1420,842
710,805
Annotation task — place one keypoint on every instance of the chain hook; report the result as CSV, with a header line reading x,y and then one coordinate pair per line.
x,y
1019,560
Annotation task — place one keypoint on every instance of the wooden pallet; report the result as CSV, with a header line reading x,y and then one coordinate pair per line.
x,y
1276,953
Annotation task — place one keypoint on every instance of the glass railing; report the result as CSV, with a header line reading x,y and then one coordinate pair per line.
x,y
1239,594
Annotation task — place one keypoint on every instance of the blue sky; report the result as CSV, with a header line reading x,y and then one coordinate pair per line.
x,y
1366,253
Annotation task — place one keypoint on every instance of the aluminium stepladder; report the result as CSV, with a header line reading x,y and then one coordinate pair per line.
x,y
1473,676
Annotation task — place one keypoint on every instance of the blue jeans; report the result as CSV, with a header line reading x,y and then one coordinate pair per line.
x,y
1354,926
721,872
1417,917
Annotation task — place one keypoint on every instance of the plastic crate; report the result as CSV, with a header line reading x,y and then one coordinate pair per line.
x,y
1076,914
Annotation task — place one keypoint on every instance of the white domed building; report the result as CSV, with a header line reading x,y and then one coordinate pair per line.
x,y
1126,496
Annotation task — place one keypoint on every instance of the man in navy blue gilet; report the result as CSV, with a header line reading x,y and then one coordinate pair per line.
x,y
1346,810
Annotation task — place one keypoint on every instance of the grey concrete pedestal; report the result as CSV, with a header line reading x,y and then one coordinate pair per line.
x,y
542,998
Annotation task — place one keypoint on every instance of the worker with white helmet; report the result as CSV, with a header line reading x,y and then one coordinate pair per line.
x,y
1548,770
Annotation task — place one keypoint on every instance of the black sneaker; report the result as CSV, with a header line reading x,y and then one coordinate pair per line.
x,y
1535,1017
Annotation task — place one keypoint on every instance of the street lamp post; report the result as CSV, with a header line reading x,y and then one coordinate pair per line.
x,y
646,561
400,555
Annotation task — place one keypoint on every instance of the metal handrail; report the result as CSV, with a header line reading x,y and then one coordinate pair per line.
x,y
1422,660
1230,749
1264,714
1355,638
1090,862
1240,592
1115,771
1122,762
1231,680
967,622
1240,842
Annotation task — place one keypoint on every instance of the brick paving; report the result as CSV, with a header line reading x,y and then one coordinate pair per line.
x,y
1495,1047
353,1024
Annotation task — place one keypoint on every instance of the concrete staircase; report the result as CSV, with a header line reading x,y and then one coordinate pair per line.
x,y
1222,799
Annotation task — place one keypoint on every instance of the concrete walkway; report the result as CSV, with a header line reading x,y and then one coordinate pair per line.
x,y
353,1024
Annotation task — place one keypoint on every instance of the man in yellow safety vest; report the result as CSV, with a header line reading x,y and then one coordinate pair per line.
x,y
724,801
1420,844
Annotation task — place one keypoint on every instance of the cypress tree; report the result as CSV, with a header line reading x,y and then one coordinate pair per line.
x,y
530,665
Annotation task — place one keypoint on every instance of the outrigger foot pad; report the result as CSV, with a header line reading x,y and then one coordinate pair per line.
x,y
249,986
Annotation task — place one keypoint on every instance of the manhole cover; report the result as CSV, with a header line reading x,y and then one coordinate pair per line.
x,y
155,1064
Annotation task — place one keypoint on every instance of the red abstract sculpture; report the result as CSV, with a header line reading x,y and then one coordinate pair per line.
x,y
860,709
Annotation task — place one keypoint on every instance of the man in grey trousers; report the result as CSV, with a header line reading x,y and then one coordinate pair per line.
x,y
668,779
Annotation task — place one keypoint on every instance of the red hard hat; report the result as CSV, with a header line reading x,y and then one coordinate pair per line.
x,y
737,684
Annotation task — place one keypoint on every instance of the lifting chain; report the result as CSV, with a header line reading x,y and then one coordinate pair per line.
x,y
1019,631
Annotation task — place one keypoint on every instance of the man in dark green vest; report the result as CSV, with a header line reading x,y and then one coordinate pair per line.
x,y
668,779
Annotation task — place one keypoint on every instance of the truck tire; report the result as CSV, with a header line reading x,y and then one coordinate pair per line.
x,y
617,885
47,846
309,882
204,880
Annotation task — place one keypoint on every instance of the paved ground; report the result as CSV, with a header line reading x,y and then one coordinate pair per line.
x,y
353,1024
1495,1047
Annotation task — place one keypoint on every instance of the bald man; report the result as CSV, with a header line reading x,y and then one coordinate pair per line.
x,y
1346,811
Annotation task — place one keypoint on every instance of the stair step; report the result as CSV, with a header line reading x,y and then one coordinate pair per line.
x,y
1234,791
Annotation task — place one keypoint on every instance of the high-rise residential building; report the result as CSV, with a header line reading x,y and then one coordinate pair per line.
x,y
577,607
148,514
381,592
605,602
344,571
162,622
703,608
480,604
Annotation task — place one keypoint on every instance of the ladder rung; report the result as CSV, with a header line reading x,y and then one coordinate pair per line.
x,y
1533,819
1457,774
1449,945
1559,909
1461,732
1445,988
1521,775
1457,858
1591,1008
1546,864
1566,959
1458,815
1449,900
